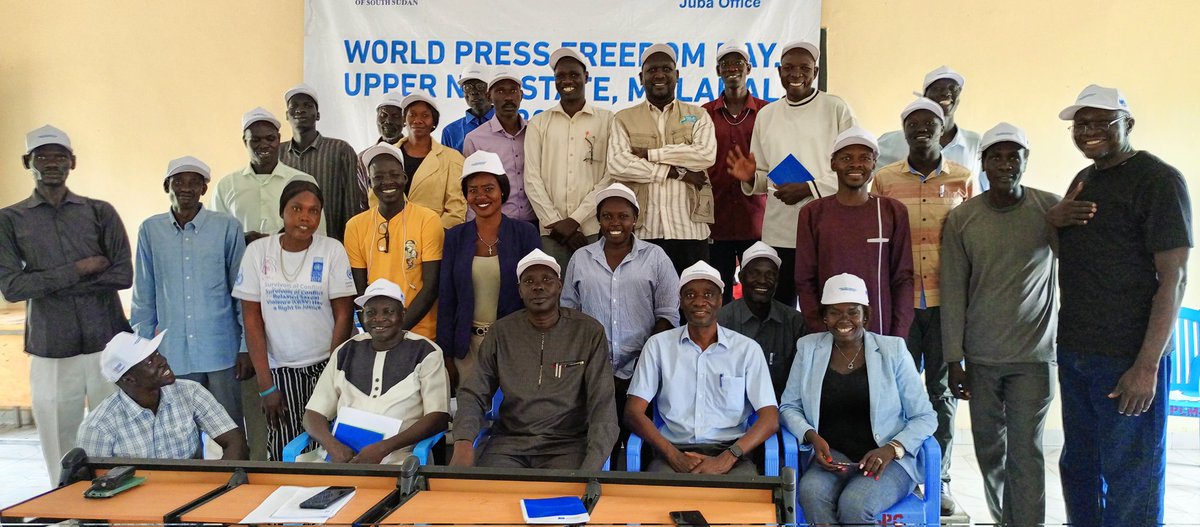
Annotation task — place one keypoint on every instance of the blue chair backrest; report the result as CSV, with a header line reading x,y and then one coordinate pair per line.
x,y
1185,368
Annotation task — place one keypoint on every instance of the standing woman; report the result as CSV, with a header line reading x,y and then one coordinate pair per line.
x,y
297,299
856,397
433,169
477,254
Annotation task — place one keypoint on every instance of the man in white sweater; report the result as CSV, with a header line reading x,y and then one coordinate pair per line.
x,y
804,124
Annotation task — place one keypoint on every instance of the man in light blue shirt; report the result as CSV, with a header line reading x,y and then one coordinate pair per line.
x,y
473,81
944,86
706,381
187,262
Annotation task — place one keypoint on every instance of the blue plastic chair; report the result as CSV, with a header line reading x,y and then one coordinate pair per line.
x,y
422,449
914,509
633,447
1184,387
493,414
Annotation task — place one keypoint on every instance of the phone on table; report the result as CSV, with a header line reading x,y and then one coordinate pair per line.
x,y
688,519
325,498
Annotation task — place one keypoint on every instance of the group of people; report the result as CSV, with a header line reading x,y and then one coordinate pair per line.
x,y
579,268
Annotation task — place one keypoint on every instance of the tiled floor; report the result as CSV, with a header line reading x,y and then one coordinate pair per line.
x,y
24,475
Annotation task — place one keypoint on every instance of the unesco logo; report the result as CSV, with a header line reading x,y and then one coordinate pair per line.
x,y
720,4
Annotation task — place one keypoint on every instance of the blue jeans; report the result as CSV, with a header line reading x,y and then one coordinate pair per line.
x,y
1113,466
848,497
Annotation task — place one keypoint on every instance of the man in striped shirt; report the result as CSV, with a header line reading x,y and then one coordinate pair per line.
x,y
332,162
661,149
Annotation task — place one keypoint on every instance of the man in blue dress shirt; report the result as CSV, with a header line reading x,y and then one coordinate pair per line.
x,y
473,81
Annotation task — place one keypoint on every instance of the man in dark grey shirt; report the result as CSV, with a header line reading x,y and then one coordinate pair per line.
x,y
552,364
65,256
332,162
772,324
998,312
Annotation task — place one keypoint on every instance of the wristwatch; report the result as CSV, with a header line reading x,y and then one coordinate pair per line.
x,y
898,448
680,172
736,451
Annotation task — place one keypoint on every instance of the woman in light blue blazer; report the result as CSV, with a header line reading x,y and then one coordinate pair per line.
x,y
856,397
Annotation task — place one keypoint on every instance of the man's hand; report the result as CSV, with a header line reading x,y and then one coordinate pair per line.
x,y
959,385
274,408
561,230
371,454
452,370
681,462
696,178
1070,211
640,152
792,193
577,241
721,464
464,454
821,451
339,452
243,368
1136,389
91,265
741,166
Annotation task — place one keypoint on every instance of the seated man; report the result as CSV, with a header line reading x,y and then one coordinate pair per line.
x,y
772,324
703,433
552,364
386,371
153,415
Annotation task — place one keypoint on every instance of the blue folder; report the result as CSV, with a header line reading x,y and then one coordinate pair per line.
x,y
567,509
790,170
354,437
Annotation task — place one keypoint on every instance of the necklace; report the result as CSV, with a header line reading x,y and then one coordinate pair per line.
x,y
725,115
850,364
291,277
491,247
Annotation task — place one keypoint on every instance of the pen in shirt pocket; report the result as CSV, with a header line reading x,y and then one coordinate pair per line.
x,y
721,380
558,366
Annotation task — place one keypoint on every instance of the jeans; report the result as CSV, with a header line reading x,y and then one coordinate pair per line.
x,y
925,343
1113,466
847,497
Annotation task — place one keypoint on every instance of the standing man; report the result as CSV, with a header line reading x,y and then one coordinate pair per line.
x,y
473,81
804,125
566,149
856,232
332,162
252,194
943,86
662,149
930,186
504,135
999,313
738,217
65,256
1124,232
187,262
774,326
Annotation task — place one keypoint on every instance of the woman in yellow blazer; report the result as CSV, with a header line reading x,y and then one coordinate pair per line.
x,y
433,170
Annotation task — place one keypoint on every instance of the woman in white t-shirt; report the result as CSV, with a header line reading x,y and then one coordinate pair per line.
x,y
297,301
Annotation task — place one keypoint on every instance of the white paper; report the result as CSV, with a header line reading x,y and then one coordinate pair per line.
x,y
283,505
388,426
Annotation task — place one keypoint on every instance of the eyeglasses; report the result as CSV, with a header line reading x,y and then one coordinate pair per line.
x,y
1094,126
384,239
591,142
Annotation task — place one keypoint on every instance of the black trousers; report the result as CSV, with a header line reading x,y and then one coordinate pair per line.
x,y
785,291
683,253
724,255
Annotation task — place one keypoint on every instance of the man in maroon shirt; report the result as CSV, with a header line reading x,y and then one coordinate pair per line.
x,y
859,233
738,217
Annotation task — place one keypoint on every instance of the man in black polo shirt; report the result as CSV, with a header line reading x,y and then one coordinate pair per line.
x,y
1124,233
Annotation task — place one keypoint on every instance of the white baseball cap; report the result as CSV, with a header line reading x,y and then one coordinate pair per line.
x,y
299,89
380,149
565,52
1096,96
845,288
760,250
472,72
504,75
923,103
47,135
943,72
620,191
1001,133
657,48
124,351
483,161
701,271
391,99
188,164
256,115
537,257
381,287
811,48
733,47
419,96
855,135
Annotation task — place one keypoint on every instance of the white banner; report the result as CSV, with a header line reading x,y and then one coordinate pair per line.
x,y
357,50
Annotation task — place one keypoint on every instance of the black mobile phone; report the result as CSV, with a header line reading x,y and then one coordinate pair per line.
x,y
688,519
114,478
326,498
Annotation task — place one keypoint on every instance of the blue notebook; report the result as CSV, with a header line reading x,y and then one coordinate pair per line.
x,y
551,511
790,170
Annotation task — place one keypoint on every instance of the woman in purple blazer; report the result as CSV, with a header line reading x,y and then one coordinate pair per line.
x,y
472,293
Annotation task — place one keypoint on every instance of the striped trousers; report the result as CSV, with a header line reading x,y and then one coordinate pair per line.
x,y
296,385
